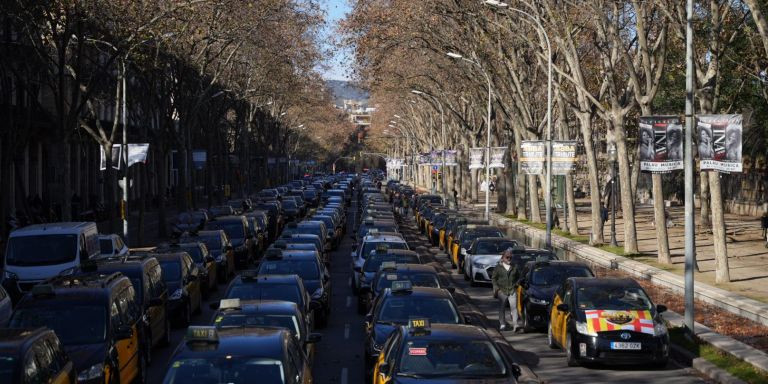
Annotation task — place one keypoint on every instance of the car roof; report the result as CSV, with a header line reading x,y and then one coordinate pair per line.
x,y
295,254
16,338
607,282
262,306
52,228
424,292
267,279
228,218
416,268
558,263
241,341
380,238
447,332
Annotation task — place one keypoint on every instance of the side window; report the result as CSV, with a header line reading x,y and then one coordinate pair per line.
x,y
58,353
126,301
295,359
156,278
50,357
118,243
568,294
392,353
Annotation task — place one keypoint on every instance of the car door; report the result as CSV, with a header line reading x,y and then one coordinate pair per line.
x,y
155,290
192,281
126,347
562,317
554,314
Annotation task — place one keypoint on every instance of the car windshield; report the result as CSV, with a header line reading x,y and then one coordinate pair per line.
x,y
436,358
417,280
371,245
494,247
106,246
553,275
612,298
469,237
520,259
212,243
226,369
41,250
233,229
311,230
375,260
288,322
266,292
73,324
289,204
171,270
195,253
398,309
306,269
8,369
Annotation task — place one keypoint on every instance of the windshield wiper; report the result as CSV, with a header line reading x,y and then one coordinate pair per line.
x,y
390,323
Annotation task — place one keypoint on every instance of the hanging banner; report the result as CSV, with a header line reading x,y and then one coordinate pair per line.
x,y
533,156
451,157
563,157
497,157
476,157
423,158
435,158
199,157
661,143
720,142
137,153
117,154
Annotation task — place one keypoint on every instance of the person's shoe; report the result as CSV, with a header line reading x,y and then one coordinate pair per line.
x,y
503,327
514,329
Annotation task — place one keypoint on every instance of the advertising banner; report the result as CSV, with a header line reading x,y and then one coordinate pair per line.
x,y
476,157
497,157
533,156
563,157
451,157
137,153
719,142
424,158
660,140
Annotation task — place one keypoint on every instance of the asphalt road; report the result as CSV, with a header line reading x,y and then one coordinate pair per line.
x,y
339,356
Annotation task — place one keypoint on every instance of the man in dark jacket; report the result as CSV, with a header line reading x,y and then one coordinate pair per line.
x,y
504,279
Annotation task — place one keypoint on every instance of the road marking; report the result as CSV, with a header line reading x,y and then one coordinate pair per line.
x,y
344,374
346,331
349,301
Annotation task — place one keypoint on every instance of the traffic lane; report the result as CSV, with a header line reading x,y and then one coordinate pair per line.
x,y
339,356
549,364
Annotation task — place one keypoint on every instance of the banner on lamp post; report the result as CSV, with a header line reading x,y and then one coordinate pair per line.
x,y
451,157
720,142
476,157
137,153
533,156
497,157
660,140
563,157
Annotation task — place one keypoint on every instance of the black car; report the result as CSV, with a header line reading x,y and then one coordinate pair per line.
x,y
372,265
522,256
182,277
34,355
291,210
219,247
239,233
276,221
206,264
236,355
306,265
419,275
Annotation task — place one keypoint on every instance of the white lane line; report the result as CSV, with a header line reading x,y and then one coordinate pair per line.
x,y
344,375
346,331
349,301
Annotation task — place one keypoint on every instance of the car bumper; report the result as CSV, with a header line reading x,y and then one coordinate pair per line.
x,y
599,348
538,315
482,274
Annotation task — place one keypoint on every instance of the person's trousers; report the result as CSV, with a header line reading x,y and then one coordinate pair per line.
x,y
505,300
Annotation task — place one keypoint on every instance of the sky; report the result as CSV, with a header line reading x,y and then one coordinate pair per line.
x,y
339,64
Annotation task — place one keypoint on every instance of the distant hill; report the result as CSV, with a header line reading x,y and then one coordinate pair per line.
x,y
345,90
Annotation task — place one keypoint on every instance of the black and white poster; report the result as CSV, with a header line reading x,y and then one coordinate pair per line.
x,y
497,157
451,157
563,157
661,143
476,157
719,142
533,156
117,154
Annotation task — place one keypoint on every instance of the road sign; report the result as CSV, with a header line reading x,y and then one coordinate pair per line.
x,y
435,167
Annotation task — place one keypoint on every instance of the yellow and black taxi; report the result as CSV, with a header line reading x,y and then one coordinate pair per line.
x,y
607,321
206,264
451,231
238,355
522,256
220,249
381,256
420,352
450,219
97,320
182,277
537,285
267,313
437,226
398,304
466,236
313,273
419,275
151,295
31,356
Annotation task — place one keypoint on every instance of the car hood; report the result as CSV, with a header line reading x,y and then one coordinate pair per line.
x,y
542,292
86,355
446,380
486,259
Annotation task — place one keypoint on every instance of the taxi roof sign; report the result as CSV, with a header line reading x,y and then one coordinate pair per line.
x,y
402,286
419,323
225,304
388,265
201,334
249,274
382,248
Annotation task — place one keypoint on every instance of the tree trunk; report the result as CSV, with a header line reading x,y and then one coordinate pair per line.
x,y
533,197
66,206
585,124
722,273
704,199
474,184
627,201
659,218
573,219
161,195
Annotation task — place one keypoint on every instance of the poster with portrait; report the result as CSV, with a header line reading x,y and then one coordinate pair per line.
x,y
719,142
424,158
451,157
563,157
476,157
533,156
497,157
660,141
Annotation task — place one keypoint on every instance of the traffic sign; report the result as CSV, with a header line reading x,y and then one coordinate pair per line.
x,y
435,167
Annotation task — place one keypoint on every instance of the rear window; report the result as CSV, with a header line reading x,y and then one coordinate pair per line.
x,y
371,246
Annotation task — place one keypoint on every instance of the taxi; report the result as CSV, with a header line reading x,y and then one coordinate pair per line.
x,y
238,355
372,265
92,314
607,321
419,275
445,353
443,233
451,231
538,282
31,356
466,235
398,304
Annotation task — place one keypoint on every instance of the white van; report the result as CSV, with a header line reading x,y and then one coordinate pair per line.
x,y
41,251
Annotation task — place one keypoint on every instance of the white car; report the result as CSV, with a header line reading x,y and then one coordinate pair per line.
x,y
482,257
112,246
368,245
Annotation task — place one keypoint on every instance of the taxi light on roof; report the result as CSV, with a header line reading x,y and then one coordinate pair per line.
x,y
420,323
388,265
373,231
402,286
382,248
43,290
249,274
199,334
274,254
229,304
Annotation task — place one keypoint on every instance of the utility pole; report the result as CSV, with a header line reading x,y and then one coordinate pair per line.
x,y
124,205
690,245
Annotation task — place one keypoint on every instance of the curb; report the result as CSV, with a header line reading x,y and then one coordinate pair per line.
x,y
704,367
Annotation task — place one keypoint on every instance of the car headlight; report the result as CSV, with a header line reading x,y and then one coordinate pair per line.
x,y
94,372
538,301
583,329
176,294
480,265
10,275
659,329
317,294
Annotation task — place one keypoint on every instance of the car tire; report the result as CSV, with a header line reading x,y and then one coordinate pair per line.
x,y
524,315
166,340
550,337
569,355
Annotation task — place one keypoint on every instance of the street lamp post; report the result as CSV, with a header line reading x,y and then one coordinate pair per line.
x,y
613,158
487,214
535,22
442,128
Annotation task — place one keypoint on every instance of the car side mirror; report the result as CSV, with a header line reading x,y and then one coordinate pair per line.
x,y
156,302
661,308
314,338
563,307
123,332
384,368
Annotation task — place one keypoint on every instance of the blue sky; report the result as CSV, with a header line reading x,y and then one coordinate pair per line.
x,y
339,64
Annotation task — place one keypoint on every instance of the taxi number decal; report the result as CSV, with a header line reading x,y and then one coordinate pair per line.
x,y
418,323
176,364
417,351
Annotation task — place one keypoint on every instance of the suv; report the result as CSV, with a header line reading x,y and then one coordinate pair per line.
x,y
97,319
33,356
182,277
220,249
239,234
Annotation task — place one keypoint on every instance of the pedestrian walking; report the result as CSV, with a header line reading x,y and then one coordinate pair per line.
x,y
492,187
603,219
764,225
456,197
555,218
505,277
406,202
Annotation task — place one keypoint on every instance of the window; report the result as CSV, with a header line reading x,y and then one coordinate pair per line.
x,y
127,303
46,360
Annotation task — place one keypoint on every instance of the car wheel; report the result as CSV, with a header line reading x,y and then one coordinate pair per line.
x,y
569,355
166,340
524,315
550,337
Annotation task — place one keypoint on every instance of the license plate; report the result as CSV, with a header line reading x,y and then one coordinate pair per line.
x,y
626,346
